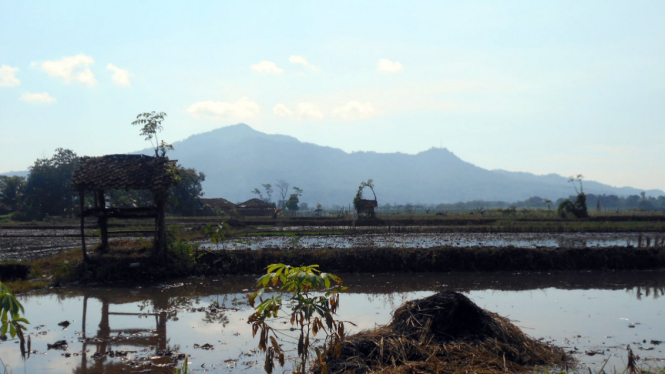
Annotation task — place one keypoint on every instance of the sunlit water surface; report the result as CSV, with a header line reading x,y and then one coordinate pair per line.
x,y
593,315
427,240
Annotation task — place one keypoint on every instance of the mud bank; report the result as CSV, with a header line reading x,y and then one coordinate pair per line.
x,y
439,259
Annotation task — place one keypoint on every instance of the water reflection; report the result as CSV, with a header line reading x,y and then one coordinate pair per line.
x,y
147,328
152,334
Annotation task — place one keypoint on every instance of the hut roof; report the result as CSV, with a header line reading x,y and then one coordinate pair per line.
x,y
219,203
255,203
123,172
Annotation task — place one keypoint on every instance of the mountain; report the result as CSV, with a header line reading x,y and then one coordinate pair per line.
x,y
237,159
23,173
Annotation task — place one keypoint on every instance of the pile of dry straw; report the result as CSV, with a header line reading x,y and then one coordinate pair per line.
x,y
444,333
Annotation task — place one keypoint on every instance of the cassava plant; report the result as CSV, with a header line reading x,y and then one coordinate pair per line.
x,y
11,320
310,314
216,233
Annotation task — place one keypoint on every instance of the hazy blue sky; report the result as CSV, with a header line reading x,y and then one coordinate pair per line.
x,y
562,87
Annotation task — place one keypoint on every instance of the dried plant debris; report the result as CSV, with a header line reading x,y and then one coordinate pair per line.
x,y
60,344
444,333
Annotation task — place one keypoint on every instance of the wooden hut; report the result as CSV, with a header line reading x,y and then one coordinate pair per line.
x,y
256,207
124,172
366,207
218,204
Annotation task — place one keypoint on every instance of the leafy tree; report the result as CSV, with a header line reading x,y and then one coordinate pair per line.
x,y
268,188
186,195
309,314
292,203
578,208
152,125
11,191
48,189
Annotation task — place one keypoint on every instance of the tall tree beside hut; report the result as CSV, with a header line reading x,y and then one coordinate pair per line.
x,y
48,188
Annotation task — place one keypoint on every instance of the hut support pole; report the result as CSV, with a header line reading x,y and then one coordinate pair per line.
x,y
161,224
103,221
82,206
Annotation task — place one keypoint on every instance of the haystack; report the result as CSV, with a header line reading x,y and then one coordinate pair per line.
x,y
444,333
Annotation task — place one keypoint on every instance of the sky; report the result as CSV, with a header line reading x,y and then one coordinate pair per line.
x,y
566,87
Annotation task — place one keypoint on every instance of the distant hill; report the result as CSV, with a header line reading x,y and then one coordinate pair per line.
x,y
237,159
23,173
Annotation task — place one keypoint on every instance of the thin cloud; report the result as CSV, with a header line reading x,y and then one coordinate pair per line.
x,y
387,66
43,97
120,76
309,111
267,67
354,110
281,110
8,77
302,61
224,111
72,68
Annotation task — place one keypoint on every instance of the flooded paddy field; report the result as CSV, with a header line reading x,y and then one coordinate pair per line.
x,y
592,315
429,240
29,244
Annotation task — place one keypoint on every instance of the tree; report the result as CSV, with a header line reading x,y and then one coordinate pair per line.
x,y
292,203
283,188
152,125
185,197
310,314
268,188
48,189
11,191
578,208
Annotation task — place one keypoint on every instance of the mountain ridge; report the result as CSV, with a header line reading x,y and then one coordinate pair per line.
x,y
236,159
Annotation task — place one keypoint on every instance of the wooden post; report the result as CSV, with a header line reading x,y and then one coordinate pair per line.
x,y
160,199
102,221
82,207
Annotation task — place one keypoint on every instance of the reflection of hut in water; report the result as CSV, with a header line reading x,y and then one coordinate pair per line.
x,y
148,336
256,207
124,172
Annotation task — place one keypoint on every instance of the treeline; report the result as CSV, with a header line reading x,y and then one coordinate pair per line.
x,y
47,191
604,203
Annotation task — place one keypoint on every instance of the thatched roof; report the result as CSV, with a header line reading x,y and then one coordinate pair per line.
x,y
256,203
219,203
123,172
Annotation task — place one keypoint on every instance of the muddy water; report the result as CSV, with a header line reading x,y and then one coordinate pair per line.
x,y
522,240
593,315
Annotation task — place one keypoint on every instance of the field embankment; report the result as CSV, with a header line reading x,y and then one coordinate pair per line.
x,y
439,259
